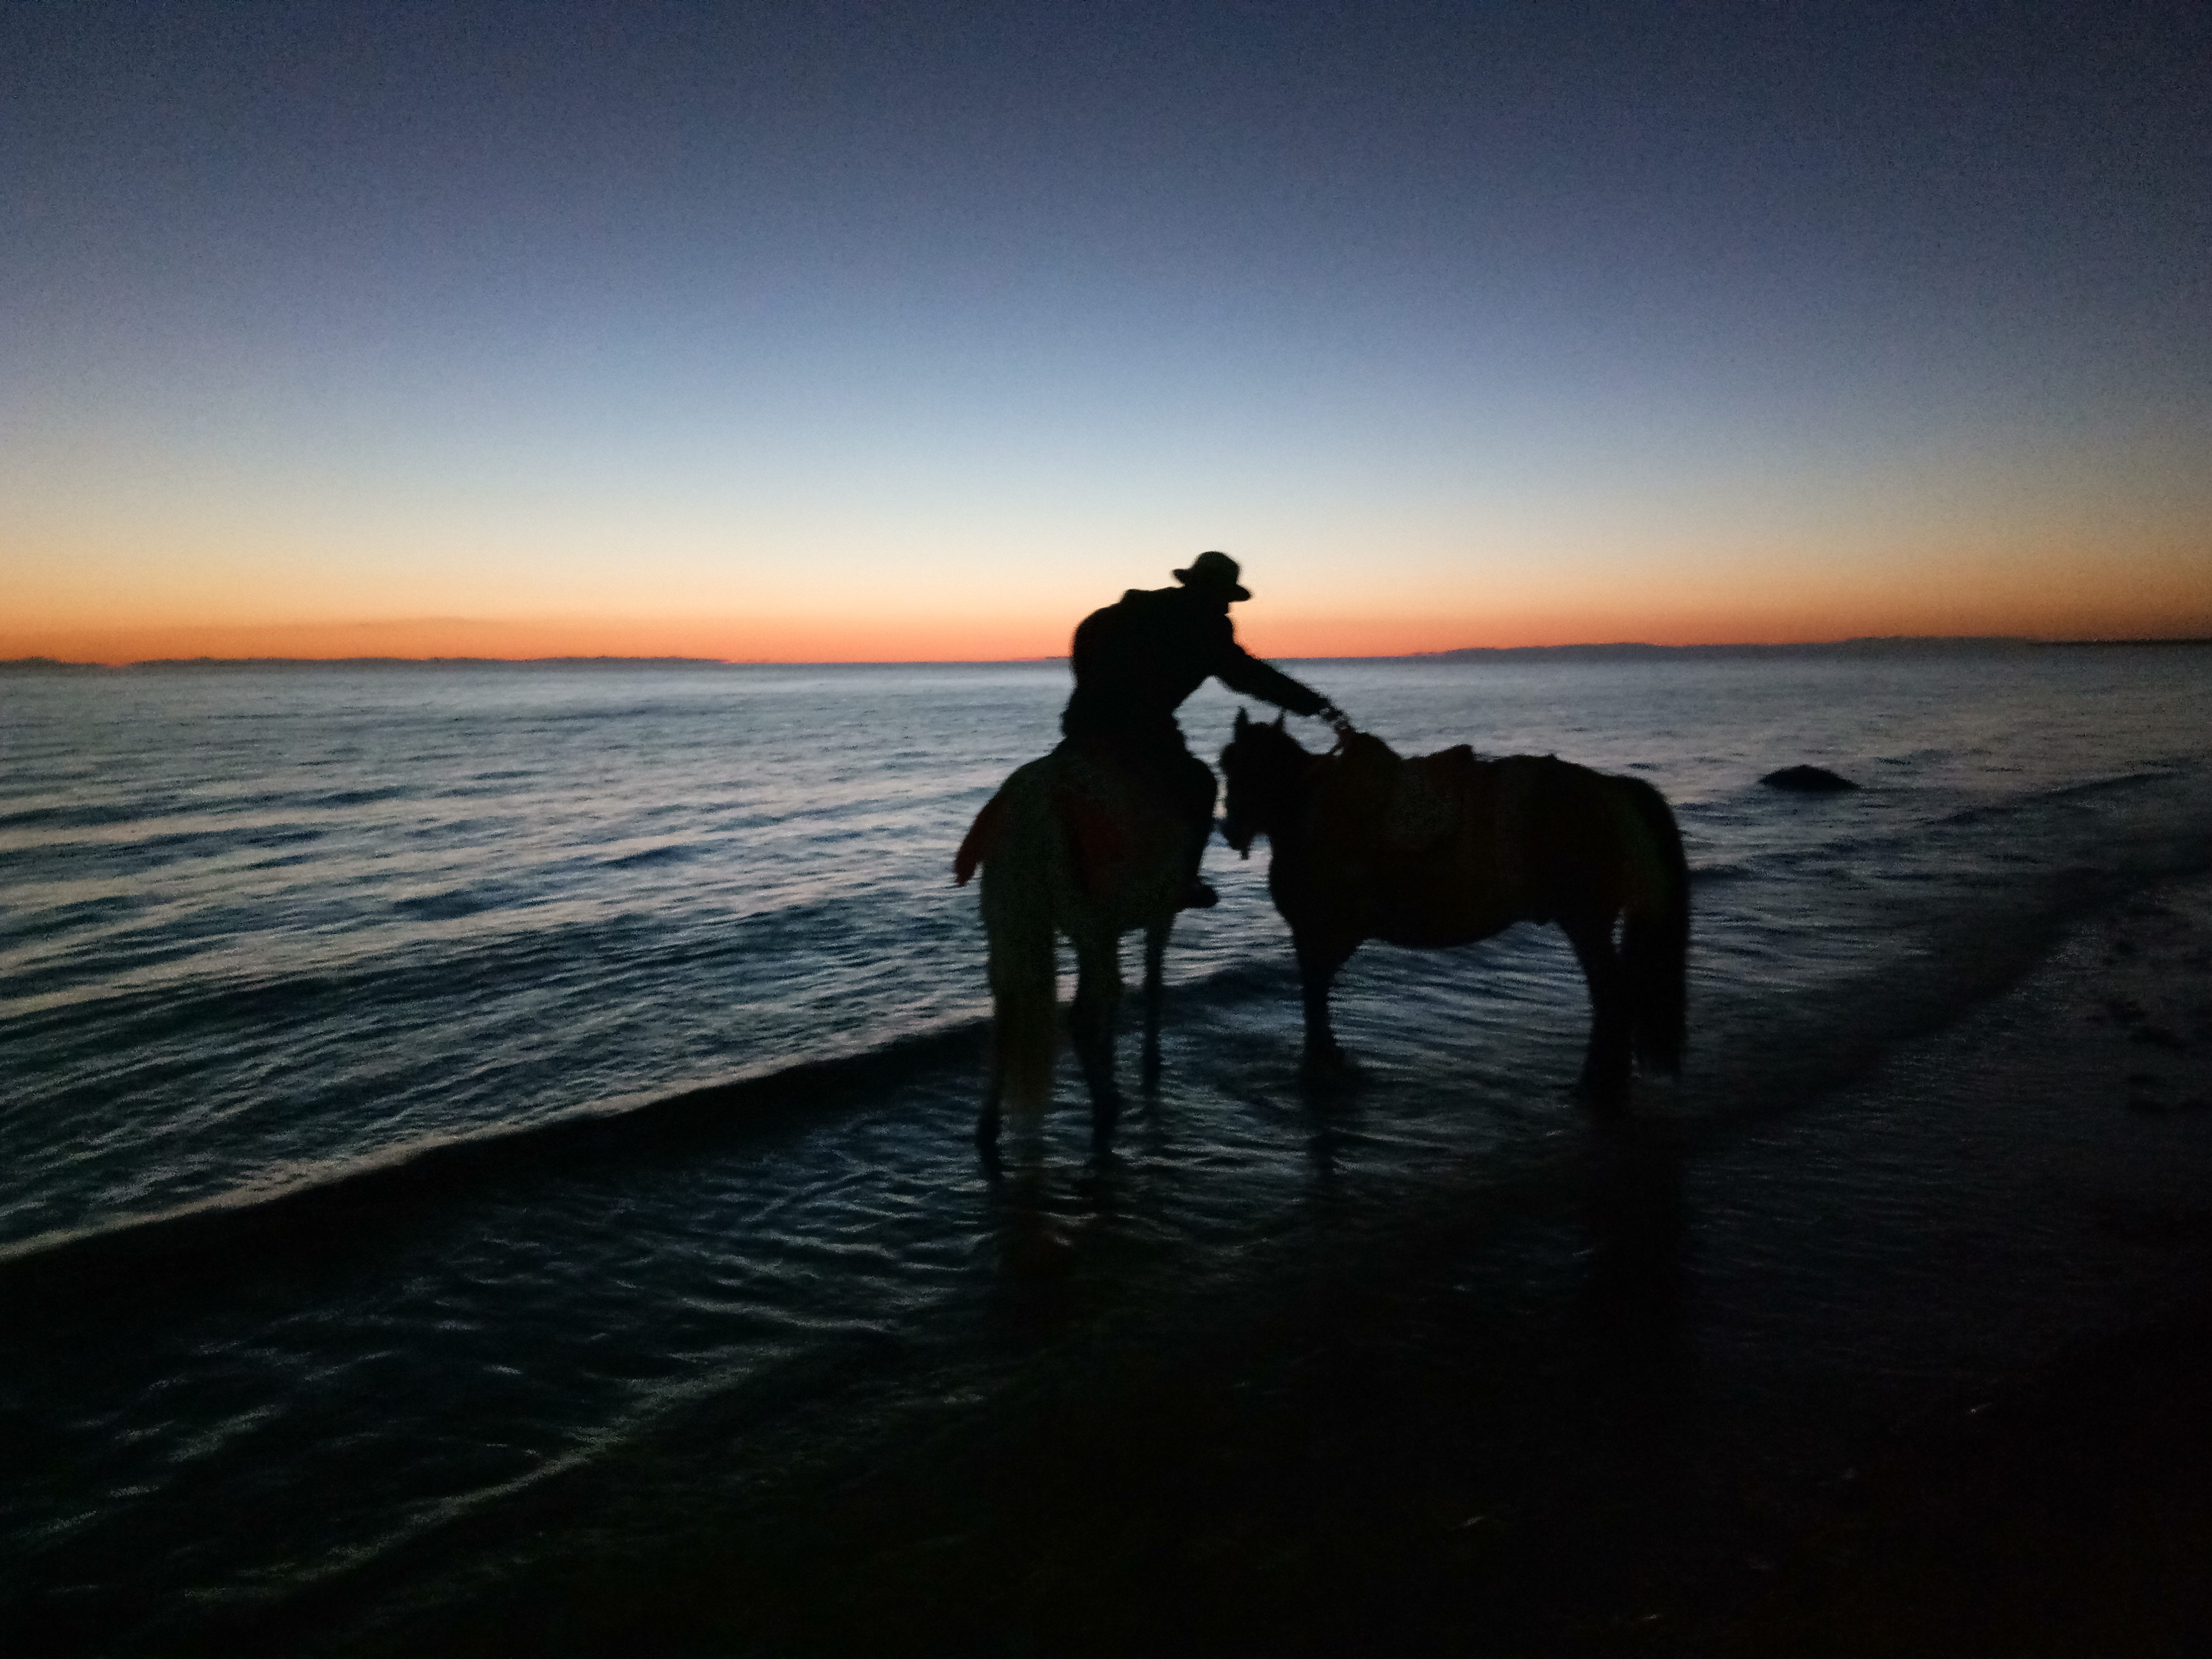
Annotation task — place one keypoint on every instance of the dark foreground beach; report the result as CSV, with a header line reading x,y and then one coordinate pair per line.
x,y
1645,1460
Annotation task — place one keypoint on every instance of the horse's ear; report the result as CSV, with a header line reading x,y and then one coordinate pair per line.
x,y
1280,717
1241,723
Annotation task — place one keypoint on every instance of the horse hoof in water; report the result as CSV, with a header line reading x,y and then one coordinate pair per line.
x,y
986,1144
1034,1249
1332,1069
1606,1099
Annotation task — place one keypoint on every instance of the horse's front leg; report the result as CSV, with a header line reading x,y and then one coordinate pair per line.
x,y
1604,1081
1318,962
1155,951
1097,998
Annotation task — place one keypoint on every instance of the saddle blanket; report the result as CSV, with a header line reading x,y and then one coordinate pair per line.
x,y
1428,798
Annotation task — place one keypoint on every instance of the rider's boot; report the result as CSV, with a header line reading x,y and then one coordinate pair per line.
x,y
1196,895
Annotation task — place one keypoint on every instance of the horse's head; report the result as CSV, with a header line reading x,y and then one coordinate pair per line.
x,y
1264,768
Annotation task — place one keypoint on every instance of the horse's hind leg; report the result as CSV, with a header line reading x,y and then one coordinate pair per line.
x,y
1098,997
1604,1081
1156,951
986,1125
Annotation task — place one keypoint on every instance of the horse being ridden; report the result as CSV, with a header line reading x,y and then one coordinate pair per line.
x,y
1107,832
1071,844
1444,849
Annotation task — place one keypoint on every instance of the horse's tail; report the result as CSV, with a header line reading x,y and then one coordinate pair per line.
x,y
981,839
1018,839
1655,942
1025,999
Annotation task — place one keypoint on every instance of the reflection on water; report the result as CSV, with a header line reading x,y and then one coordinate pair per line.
x,y
1629,1313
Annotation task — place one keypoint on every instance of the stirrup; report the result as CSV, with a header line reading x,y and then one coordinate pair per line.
x,y
1198,897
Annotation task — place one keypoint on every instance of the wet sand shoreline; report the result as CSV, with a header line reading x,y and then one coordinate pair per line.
x,y
2069,1513
1380,1461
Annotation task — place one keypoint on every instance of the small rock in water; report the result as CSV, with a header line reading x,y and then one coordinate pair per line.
x,y
1807,780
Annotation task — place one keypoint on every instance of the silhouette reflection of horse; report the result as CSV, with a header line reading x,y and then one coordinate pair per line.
x,y
1072,844
1445,849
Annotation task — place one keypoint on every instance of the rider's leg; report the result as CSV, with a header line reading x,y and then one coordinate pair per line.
x,y
1191,780
1173,776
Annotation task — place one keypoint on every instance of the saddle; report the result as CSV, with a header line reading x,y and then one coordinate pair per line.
x,y
1429,801
1407,805
1114,827
1116,812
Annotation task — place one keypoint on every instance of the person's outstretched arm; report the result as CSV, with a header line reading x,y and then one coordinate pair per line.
x,y
1240,670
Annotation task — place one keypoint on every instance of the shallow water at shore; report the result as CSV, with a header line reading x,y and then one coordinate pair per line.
x,y
384,989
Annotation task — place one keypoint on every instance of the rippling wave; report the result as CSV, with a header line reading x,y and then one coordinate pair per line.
x,y
545,1048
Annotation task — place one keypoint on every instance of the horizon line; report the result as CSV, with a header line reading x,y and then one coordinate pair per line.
x,y
1860,642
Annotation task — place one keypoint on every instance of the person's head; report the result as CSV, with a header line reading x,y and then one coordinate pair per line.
x,y
1213,574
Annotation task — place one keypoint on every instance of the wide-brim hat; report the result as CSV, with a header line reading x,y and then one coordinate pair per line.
x,y
1216,573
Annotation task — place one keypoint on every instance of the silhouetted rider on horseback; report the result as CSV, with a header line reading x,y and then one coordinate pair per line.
x,y
1136,662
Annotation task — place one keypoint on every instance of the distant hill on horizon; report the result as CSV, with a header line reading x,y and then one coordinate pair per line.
x,y
1623,650
1875,645
370,662
1870,645
167,664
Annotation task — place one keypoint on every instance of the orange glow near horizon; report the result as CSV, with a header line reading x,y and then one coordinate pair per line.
x,y
730,640
1277,631
933,604
99,579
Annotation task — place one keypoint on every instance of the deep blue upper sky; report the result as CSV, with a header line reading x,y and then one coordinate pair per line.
x,y
359,311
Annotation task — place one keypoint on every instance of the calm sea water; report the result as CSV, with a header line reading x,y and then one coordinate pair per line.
x,y
422,1085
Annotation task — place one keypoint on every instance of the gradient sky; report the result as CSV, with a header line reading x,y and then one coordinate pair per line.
x,y
905,330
